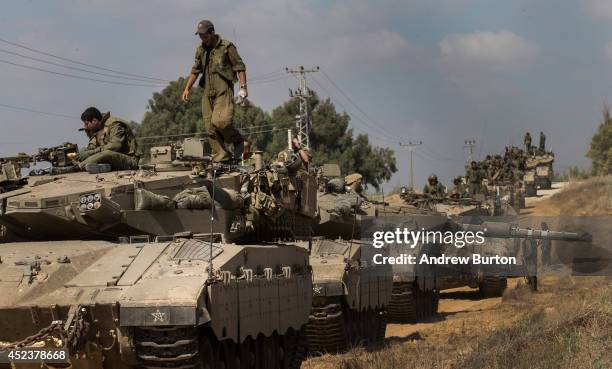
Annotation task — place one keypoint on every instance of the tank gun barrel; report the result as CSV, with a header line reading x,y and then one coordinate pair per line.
x,y
508,230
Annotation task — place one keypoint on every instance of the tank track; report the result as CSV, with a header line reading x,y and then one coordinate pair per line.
x,y
493,286
334,328
168,347
409,305
193,347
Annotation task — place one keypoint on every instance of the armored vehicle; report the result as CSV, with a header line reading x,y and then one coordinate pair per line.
x,y
169,196
351,295
340,206
502,239
216,289
539,173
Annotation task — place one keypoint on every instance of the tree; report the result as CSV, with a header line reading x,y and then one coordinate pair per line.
x,y
331,140
601,146
168,116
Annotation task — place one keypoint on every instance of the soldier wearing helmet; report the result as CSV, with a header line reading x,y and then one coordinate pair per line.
x,y
474,176
220,65
433,187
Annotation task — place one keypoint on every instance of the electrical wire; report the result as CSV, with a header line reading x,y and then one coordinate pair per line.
x,y
376,125
79,77
82,63
73,68
39,111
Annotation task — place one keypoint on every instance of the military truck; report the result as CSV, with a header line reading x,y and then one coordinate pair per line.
x,y
351,296
539,173
199,279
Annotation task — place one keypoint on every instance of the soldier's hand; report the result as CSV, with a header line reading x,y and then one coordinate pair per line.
x,y
185,96
243,93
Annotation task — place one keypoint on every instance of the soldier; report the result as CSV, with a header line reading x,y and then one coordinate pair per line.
x,y
527,142
219,63
111,141
459,188
542,143
433,187
475,177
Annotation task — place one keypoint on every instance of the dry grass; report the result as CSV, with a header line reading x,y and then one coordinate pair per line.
x,y
592,197
568,324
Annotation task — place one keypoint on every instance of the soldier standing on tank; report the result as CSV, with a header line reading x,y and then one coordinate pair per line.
x,y
221,66
433,187
475,177
542,143
111,141
527,142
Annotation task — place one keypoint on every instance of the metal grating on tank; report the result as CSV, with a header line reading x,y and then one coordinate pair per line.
x,y
331,247
197,250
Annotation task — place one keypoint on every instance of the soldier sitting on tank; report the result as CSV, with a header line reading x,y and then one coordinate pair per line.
x,y
433,187
111,141
459,190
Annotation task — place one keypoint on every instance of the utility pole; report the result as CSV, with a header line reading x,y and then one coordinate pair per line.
x,y
411,145
470,144
303,122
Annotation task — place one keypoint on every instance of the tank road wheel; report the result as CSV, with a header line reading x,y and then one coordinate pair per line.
x,y
402,307
246,354
493,286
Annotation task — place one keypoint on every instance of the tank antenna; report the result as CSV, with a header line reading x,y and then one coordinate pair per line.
x,y
212,222
353,230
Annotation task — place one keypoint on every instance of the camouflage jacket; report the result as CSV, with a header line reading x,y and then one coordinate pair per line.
x,y
116,135
218,66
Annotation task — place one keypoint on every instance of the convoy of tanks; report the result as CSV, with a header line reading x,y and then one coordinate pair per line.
x,y
186,263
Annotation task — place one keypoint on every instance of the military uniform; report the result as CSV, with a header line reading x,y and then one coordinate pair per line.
x,y
542,142
527,142
475,177
114,144
218,67
435,190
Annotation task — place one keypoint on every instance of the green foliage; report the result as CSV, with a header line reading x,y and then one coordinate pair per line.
x,y
601,146
331,140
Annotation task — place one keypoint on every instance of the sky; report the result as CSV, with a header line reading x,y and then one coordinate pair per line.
x,y
436,71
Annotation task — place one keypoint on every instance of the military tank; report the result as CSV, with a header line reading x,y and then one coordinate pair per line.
x,y
350,297
199,279
538,172
502,239
169,196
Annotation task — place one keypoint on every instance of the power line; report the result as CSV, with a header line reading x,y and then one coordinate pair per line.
x,y
376,124
348,112
79,77
81,63
39,111
71,67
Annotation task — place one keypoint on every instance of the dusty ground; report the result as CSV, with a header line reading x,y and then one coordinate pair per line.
x,y
566,324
